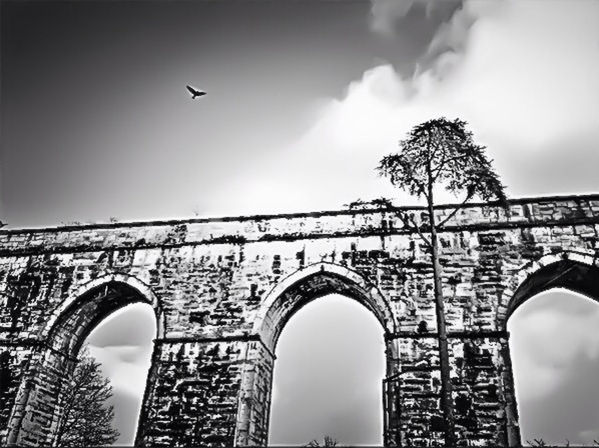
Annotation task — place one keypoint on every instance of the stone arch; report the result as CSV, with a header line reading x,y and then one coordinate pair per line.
x,y
280,304
575,271
36,414
310,283
145,295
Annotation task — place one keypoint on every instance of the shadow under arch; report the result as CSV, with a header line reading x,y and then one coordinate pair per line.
x,y
37,414
282,302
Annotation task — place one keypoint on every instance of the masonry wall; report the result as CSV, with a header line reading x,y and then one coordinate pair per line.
x,y
211,373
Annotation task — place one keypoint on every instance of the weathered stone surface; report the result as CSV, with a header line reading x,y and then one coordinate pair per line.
x,y
223,289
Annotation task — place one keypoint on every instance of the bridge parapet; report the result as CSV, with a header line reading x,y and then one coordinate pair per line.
x,y
530,212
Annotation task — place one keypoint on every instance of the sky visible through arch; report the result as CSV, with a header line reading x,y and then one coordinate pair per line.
x,y
328,374
304,98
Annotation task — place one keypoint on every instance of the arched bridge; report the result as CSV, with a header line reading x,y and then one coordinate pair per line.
x,y
223,289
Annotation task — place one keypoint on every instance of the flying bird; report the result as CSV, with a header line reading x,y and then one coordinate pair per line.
x,y
195,93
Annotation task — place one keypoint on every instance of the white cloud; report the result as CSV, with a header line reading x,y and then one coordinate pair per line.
x,y
531,73
525,76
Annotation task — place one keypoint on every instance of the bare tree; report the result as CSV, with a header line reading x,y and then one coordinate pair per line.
x,y
441,153
87,417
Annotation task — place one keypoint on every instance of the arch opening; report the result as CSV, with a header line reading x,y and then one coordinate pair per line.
x,y
311,283
74,324
38,414
568,274
122,344
328,374
287,298
554,347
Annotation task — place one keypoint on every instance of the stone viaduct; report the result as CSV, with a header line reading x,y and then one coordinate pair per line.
x,y
223,289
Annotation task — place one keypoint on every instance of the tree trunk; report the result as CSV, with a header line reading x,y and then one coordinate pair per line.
x,y
446,386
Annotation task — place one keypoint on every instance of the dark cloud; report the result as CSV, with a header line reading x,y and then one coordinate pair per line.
x,y
440,27
394,18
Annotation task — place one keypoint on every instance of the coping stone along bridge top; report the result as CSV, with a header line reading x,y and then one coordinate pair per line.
x,y
521,213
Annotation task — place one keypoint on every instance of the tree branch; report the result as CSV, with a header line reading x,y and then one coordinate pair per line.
x,y
455,210
437,172
444,162
410,222
86,419
424,192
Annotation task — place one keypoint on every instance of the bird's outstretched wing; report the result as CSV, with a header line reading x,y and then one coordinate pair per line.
x,y
192,90
195,93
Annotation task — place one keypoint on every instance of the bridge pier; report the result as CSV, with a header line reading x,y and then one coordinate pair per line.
x,y
207,392
483,392
36,413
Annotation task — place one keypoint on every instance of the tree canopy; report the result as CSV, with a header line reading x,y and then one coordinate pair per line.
x,y
442,152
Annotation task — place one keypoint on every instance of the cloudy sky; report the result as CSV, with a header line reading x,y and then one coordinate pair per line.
x,y
304,98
